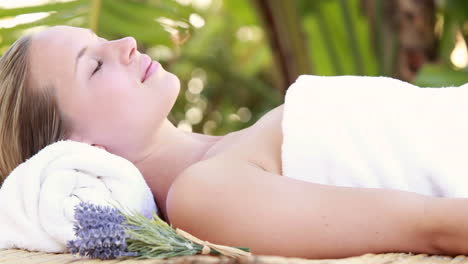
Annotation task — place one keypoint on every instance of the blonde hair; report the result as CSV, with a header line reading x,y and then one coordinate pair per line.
x,y
29,116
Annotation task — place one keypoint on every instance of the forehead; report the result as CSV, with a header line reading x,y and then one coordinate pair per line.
x,y
53,52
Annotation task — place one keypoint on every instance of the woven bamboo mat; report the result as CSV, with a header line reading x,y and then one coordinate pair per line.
x,y
26,257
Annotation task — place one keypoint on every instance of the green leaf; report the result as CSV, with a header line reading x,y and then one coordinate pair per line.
x,y
432,75
60,6
113,26
166,8
52,19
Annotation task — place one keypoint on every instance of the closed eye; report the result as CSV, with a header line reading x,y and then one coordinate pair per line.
x,y
98,67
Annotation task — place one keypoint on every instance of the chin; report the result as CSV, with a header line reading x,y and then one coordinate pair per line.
x,y
173,80
171,87
165,82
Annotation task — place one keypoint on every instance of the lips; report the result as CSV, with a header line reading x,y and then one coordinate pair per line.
x,y
146,72
146,62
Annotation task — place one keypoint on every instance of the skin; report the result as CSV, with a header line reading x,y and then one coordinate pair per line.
x,y
112,108
274,215
282,216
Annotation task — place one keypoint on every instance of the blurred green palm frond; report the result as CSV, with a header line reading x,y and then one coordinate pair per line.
x,y
108,18
409,40
339,36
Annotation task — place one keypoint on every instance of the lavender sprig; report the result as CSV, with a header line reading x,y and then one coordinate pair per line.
x,y
105,232
100,232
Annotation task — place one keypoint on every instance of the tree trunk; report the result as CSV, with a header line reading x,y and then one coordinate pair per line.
x,y
404,36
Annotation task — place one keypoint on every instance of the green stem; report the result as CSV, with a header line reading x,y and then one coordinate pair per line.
x,y
351,32
379,32
325,32
94,12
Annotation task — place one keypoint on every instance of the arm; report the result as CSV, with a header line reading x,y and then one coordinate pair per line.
x,y
234,203
448,219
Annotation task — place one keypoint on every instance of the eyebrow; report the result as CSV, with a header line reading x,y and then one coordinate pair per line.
x,y
82,52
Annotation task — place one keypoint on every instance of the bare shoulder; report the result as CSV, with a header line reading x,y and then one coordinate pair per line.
x,y
217,200
217,178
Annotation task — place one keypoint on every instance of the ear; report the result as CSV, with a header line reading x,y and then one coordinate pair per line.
x,y
99,146
75,137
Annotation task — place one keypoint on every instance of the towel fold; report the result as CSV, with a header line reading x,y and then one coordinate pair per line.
x,y
37,199
376,132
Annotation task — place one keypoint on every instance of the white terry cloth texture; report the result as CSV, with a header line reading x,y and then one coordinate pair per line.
x,y
38,198
376,132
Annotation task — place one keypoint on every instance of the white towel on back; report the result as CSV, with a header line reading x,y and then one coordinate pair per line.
x,y
37,199
376,132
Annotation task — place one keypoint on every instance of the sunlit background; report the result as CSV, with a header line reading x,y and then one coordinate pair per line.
x,y
236,58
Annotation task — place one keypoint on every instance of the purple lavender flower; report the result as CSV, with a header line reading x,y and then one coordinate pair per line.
x,y
100,232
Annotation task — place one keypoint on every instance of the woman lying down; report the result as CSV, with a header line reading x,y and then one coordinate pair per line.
x,y
347,165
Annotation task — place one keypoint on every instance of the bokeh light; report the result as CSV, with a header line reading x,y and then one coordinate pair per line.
x,y
459,55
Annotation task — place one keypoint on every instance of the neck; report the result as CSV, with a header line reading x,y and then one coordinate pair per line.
x,y
172,151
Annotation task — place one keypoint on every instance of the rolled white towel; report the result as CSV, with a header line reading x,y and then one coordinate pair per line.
x,y
37,199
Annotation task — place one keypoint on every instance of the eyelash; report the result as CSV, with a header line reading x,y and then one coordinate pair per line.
x,y
98,67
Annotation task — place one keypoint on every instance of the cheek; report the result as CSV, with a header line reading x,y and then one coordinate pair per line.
x,y
120,102
113,92
116,83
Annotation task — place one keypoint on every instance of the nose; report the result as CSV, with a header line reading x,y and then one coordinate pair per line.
x,y
127,48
